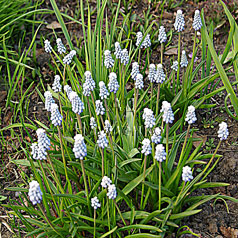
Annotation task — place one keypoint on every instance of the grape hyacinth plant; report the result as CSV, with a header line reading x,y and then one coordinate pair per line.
x,y
114,159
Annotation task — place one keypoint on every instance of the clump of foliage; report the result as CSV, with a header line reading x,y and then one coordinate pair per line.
x,y
112,161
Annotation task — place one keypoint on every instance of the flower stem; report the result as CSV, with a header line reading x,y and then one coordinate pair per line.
x,y
94,224
184,145
157,102
159,185
152,88
85,183
179,44
161,53
143,183
134,118
167,143
89,107
102,153
80,123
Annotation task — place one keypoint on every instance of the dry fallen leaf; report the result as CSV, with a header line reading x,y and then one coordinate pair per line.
x,y
202,139
53,25
171,51
229,232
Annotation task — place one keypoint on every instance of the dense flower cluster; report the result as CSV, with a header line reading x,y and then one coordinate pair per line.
x,y
108,60
156,137
191,115
175,66
100,110
106,182
35,193
179,21
147,43
139,37
139,84
48,100
125,57
113,85
117,50
184,60
168,115
68,58
149,118
187,174
162,38
77,104
80,149
223,132
112,191
102,140
160,154
42,139
60,46
95,203
48,47
89,84
146,147
56,86
108,127
93,123
56,117
135,70
103,92
152,73
160,75
197,21
68,90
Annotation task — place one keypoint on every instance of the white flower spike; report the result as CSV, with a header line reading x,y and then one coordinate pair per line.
x,y
48,48
60,46
112,191
35,193
160,154
100,110
160,75
108,60
191,115
117,50
80,149
48,100
139,84
102,140
197,21
184,60
95,203
113,85
162,38
149,118
156,137
152,73
175,66
135,70
103,92
56,117
56,86
93,123
146,147
124,57
179,21
106,182
77,104
223,132
168,115
187,174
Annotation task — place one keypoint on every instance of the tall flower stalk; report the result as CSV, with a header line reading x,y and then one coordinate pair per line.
x,y
179,27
